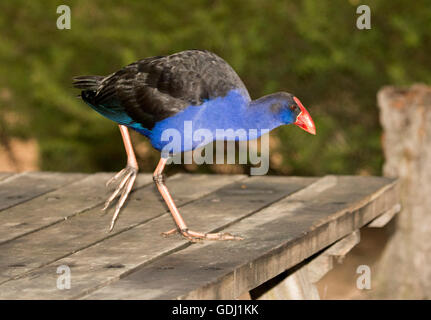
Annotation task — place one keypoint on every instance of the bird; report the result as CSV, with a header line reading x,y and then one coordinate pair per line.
x,y
163,92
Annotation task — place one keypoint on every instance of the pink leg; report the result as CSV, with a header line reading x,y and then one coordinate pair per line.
x,y
179,221
127,175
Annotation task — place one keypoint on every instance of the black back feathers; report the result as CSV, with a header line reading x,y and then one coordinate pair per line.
x,y
158,87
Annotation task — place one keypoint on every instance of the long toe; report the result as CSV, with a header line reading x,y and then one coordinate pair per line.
x,y
128,176
124,195
117,190
197,236
170,232
125,175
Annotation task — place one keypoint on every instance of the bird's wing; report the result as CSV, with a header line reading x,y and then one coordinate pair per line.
x,y
156,88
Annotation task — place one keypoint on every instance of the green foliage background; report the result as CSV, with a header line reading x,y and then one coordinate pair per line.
x,y
310,48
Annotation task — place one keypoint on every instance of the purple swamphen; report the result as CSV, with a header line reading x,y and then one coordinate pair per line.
x,y
163,92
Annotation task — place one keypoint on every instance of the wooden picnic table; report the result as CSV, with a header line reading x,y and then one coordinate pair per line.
x,y
52,221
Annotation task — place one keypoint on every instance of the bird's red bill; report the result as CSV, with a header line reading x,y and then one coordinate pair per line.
x,y
304,120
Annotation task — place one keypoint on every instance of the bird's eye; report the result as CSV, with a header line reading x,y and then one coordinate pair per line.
x,y
292,107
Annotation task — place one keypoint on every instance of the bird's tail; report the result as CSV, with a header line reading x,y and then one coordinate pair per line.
x,y
87,82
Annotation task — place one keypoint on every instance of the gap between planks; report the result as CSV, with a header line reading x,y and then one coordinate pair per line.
x,y
22,187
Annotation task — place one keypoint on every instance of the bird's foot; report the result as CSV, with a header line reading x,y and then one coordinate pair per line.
x,y
128,177
198,236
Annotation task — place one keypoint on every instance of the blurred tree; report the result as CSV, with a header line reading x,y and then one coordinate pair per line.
x,y
310,48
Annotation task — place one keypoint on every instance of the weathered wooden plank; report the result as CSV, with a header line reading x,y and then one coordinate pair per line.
x,y
58,205
322,264
319,267
276,238
115,257
90,227
4,175
296,286
299,284
341,248
26,186
383,220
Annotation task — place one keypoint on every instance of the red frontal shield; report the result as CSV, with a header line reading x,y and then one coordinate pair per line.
x,y
304,120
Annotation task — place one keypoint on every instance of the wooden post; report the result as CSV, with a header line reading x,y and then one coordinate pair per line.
x,y
404,270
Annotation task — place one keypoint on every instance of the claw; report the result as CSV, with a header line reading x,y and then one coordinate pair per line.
x,y
128,176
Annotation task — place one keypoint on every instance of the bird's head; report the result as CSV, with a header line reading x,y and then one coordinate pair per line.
x,y
293,112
